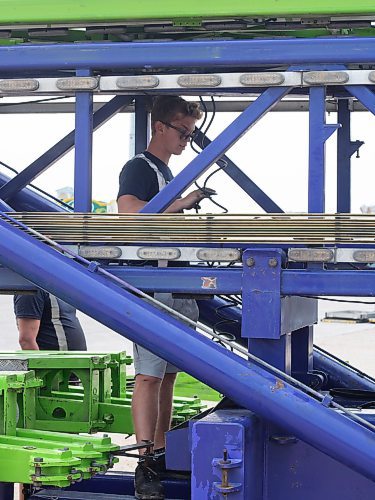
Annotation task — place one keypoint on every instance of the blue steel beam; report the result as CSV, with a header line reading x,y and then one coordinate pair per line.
x,y
60,149
319,132
229,281
83,149
343,158
246,383
243,181
364,95
236,53
216,149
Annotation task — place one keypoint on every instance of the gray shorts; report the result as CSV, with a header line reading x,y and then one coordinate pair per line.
x,y
147,363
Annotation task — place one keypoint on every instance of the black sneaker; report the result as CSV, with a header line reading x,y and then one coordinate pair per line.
x,y
147,484
158,464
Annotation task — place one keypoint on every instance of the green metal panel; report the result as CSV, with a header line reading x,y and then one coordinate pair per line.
x,y
96,11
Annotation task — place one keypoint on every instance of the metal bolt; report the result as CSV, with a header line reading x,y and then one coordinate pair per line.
x,y
250,262
272,262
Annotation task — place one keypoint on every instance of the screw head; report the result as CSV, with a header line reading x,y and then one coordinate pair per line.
x,y
250,262
272,262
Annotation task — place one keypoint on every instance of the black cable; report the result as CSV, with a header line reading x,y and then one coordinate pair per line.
x,y
38,101
61,202
337,300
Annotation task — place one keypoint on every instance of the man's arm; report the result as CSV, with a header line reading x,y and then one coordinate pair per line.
x,y
28,329
128,203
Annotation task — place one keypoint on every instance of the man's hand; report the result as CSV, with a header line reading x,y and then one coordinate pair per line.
x,y
193,198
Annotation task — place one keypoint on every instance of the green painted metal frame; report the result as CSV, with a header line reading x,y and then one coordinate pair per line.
x,y
18,12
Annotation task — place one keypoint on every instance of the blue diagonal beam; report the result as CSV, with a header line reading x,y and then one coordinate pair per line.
x,y
216,149
243,181
364,95
245,383
60,149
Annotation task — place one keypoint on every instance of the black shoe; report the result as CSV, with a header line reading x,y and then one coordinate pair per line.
x,y
147,484
158,464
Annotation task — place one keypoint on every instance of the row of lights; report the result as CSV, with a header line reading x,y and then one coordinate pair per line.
x,y
160,253
145,82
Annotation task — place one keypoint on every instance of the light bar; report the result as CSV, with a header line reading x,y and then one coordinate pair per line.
x,y
218,254
154,253
261,79
77,83
365,256
311,254
100,252
137,82
325,77
18,85
199,81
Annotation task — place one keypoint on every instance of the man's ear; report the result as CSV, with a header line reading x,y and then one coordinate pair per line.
x,y
159,127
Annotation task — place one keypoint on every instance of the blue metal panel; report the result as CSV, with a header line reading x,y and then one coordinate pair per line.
x,y
239,432
83,149
216,149
247,384
261,300
60,149
297,471
243,181
238,53
276,352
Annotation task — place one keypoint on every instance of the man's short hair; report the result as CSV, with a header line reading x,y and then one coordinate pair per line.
x,y
166,107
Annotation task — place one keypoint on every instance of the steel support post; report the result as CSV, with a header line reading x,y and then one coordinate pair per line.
x,y
60,149
141,126
83,149
319,132
216,149
343,157
261,308
246,383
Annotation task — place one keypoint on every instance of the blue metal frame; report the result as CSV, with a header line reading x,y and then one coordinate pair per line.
x,y
262,284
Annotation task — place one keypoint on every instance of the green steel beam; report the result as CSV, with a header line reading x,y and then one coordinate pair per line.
x,y
31,12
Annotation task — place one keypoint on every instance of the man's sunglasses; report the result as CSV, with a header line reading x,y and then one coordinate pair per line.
x,y
184,136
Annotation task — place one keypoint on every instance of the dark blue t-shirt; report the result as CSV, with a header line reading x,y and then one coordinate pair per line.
x,y
60,329
138,179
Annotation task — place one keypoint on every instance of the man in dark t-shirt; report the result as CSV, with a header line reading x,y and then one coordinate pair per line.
x,y
173,123
47,323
